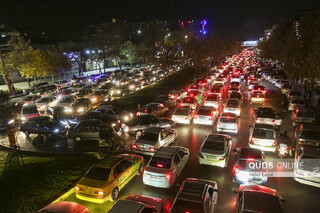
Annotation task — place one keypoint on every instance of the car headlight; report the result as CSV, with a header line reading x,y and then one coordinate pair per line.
x,y
126,118
93,99
11,121
23,118
59,96
25,104
111,92
113,124
131,87
118,91
68,110
56,130
81,109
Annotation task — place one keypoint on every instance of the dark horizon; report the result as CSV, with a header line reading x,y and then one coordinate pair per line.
x,y
236,19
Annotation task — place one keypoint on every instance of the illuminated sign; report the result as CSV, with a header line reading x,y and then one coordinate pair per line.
x,y
249,43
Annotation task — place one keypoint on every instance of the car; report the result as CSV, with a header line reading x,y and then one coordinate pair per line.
x,y
67,100
46,101
242,172
196,195
183,115
215,150
232,106
306,167
264,137
212,101
45,90
64,207
177,94
236,96
139,123
29,111
266,115
205,115
29,99
104,180
258,88
87,130
43,125
80,106
295,94
228,122
165,166
190,102
118,91
216,90
84,93
98,96
257,97
296,102
303,115
65,92
155,109
114,112
257,198
152,139
307,135
138,204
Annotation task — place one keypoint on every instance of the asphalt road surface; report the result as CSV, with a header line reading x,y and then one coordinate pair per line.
x,y
299,197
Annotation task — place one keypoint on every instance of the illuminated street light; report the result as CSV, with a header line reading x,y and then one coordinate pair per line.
x,y
139,31
185,36
88,51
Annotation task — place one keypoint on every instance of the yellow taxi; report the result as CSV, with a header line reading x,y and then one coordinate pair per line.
x,y
104,180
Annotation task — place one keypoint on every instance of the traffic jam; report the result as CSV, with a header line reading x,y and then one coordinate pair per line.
x,y
223,135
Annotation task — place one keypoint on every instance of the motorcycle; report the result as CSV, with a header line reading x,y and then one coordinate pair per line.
x,y
284,150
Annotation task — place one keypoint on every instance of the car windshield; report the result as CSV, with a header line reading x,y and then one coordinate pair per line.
x,y
305,114
160,162
235,95
44,100
266,112
212,98
255,201
66,100
257,95
204,112
98,173
228,120
263,133
181,112
30,110
232,104
149,136
213,145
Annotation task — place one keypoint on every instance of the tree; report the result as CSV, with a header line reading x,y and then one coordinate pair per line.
x,y
129,51
11,58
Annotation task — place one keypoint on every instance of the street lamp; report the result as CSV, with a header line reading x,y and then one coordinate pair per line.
x,y
139,31
185,36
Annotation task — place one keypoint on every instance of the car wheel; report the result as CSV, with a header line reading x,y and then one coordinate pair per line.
x,y
27,133
115,194
140,170
77,139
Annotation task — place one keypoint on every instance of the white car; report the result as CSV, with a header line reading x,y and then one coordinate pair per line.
x,y
263,137
205,115
152,139
66,101
165,166
215,150
183,115
296,103
45,102
212,101
228,122
304,168
232,106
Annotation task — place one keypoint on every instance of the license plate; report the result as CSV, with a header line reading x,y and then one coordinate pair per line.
x,y
154,177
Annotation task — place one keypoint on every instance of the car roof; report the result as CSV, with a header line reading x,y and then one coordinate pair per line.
x,y
29,106
311,151
259,188
155,130
248,152
193,190
166,152
109,162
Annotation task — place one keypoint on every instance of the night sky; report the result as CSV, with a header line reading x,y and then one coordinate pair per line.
x,y
244,19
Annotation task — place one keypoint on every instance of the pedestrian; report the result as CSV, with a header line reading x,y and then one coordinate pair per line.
x,y
285,103
13,90
29,81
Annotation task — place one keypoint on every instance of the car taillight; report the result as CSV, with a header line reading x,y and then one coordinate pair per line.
x,y
78,188
218,123
201,155
134,146
168,176
273,121
274,143
99,192
195,117
236,169
222,157
152,149
211,117
259,120
252,140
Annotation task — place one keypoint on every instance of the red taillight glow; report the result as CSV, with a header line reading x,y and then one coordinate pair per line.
x,y
152,149
236,170
134,146
211,117
145,111
168,176
218,123
273,121
99,192
274,143
222,157
195,117
160,165
78,188
250,159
